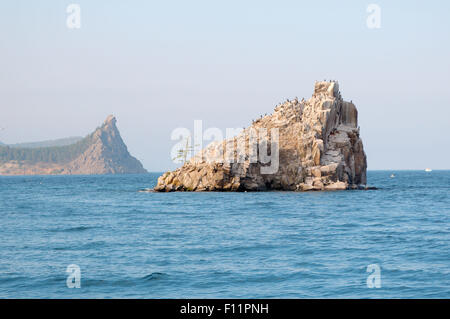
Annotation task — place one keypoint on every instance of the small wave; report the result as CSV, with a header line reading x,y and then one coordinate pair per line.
x,y
83,246
27,281
72,229
146,190
12,279
267,204
154,276
347,225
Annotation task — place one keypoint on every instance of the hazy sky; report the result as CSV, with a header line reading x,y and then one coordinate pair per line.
x,y
159,65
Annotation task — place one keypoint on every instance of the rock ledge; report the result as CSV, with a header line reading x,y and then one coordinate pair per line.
x,y
318,145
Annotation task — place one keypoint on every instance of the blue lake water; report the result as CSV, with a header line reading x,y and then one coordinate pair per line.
x,y
130,244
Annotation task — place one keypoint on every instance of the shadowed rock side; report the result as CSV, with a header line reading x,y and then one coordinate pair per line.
x,y
319,149
102,152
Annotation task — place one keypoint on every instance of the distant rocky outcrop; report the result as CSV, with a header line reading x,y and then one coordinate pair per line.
x,y
318,148
102,152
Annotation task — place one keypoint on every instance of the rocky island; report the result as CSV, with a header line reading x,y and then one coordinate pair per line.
x,y
101,152
317,144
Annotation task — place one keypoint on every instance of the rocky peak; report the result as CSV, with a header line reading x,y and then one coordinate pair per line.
x,y
319,149
108,126
102,152
111,119
107,152
330,89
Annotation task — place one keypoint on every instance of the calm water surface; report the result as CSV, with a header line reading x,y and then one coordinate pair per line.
x,y
130,244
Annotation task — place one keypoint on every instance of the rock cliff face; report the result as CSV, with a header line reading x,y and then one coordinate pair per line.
x,y
318,148
102,152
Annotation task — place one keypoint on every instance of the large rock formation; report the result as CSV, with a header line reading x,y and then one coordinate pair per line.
x,y
318,148
102,152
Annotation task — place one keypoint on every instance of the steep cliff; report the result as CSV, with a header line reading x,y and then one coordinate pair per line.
x,y
312,145
102,152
